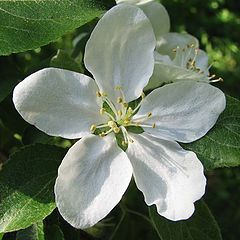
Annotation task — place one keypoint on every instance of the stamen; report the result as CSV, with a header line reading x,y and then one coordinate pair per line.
x,y
113,126
102,111
93,128
149,114
216,80
103,134
98,94
119,113
116,129
154,125
126,135
119,100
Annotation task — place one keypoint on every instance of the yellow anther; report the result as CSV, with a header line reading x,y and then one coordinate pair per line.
x,y
126,121
117,88
130,140
102,111
93,128
112,124
130,110
125,104
102,134
149,114
143,95
98,94
124,143
116,129
154,125
174,50
119,113
119,100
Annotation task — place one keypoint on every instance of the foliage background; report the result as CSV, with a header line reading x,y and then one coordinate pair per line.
x,y
215,23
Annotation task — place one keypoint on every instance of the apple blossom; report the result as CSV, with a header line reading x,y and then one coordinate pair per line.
x,y
177,55
97,169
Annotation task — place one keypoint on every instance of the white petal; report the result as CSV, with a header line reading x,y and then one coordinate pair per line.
x,y
183,111
170,41
158,16
120,51
160,74
58,102
136,2
202,62
168,176
91,180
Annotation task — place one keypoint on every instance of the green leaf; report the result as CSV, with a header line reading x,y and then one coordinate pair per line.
x,y
34,232
201,226
1,236
32,135
54,232
28,25
221,146
8,76
63,60
26,186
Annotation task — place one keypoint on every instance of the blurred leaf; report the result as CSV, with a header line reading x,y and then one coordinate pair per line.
x,y
28,25
1,236
9,76
221,146
201,226
32,135
53,232
10,117
26,186
63,60
6,86
34,232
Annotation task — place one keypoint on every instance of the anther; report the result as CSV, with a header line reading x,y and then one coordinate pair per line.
x,y
154,125
112,124
125,104
149,114
119,113
130,110
143,95
126,121
119,100
116,129
212,76
103,134
117,88
124,143
102,111
93,128
98,94
130,140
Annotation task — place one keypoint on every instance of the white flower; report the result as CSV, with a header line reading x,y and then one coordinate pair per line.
x,y
96,172
177,55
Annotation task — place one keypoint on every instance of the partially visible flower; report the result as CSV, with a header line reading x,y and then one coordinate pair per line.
x,y
177,55
97,169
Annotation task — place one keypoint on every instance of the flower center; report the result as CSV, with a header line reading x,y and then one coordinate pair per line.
x,y
120,118
187,58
